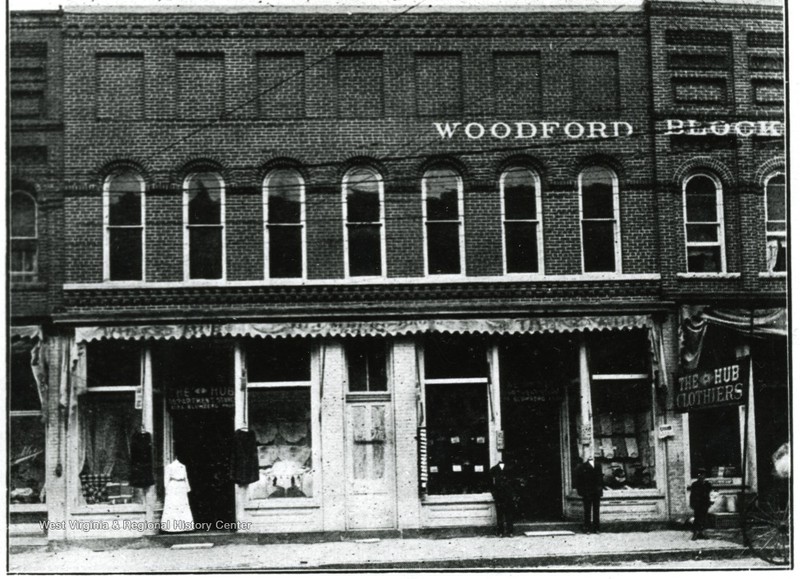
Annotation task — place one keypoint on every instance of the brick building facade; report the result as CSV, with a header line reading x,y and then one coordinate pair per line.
x,y
264,230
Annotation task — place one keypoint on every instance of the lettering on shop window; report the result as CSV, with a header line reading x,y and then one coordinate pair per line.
x,y
201,398
723,386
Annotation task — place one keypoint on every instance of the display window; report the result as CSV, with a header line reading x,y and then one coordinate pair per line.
x,y
26,431
111,413
457,415
279,413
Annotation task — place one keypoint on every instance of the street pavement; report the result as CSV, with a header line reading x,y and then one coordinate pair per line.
x,y
660,549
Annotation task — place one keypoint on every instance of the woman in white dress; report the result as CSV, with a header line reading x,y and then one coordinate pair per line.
x,y
177,515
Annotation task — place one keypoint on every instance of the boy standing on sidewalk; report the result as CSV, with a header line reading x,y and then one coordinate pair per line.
x,y
700,500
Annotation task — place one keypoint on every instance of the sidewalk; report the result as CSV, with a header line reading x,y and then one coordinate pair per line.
x,y
465,552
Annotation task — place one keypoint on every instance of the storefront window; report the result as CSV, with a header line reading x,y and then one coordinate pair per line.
x,y
26,459
279,413
109,419
714,442
457,415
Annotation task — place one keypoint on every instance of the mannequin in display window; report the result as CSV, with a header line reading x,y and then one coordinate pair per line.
x,y
177,515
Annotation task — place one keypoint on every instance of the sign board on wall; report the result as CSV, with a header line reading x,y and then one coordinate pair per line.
x,y
710,388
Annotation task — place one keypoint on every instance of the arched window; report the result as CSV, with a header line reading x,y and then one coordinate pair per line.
x,y
24,236
123,218
362,189
704,224
204,219
284,223
599,214
775,200
520,194
442,214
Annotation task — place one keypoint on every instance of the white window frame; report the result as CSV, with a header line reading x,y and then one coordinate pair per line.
x,y
302,224
381,223
107,227
187,226
773,234
460,221
313,385
719,223
27,275
538,221
615,219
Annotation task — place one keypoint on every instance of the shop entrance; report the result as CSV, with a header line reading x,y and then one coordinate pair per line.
x,y
198,383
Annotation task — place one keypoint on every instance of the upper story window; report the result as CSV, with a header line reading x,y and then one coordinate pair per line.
x,y
123,217
775,199
204,220
24,236
442,213
284,215
599,214
520,192
364,235
703,218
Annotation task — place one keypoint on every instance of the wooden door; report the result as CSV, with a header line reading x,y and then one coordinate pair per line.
x,y
370,466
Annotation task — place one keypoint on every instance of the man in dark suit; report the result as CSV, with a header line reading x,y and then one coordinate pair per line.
x,y
589,484
700,500
502,486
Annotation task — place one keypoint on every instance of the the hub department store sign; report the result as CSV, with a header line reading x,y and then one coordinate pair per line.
x,y
603,130
714,387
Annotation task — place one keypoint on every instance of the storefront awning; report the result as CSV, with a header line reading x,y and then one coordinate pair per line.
x,y
26,332
364,328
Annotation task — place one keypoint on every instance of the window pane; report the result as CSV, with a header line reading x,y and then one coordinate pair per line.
x,y
24,392
522,247
364,249
125,253
23,215
278,360
776,253
444,251
455,357
519,192
366,364
707,233
205,253
458,438
285,251
701,199
627,353
125,200
597,193
441,193
23,256
281,421
623,433
598,246
714,442
205,193
776,199
113,363
704,259
363,196
26,459
285,195
108,422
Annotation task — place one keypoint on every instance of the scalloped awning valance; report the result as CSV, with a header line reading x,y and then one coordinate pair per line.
x,y
26,332
330,329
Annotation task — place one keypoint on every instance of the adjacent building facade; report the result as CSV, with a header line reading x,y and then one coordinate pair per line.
x,y
398,249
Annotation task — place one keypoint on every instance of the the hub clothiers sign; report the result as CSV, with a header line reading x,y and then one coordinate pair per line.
x,y
574,130
722,386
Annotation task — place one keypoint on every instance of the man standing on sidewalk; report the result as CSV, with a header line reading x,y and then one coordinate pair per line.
x,y
700,500
589,484
502,487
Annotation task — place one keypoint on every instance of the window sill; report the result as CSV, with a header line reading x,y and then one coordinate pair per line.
x,y
772,274
710,275
624,494
28,285
27,508
266,504
450,499
109,509
448,279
